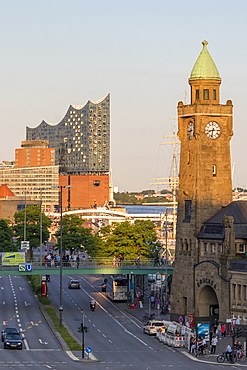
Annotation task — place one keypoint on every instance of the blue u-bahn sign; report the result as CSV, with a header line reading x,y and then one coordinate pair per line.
x,y
25,267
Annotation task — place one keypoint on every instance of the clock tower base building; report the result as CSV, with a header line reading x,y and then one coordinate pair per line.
x,y
200,281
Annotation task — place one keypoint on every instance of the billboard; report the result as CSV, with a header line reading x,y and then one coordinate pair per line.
x,y
13,258
203,331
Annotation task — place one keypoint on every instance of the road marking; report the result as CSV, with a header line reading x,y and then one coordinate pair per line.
x,y
26,345
40,340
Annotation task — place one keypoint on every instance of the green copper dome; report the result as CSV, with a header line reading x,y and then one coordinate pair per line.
x,y
204,68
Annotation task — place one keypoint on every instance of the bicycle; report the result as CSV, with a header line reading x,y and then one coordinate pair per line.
x,y
224,357
241,356
147,318
204,352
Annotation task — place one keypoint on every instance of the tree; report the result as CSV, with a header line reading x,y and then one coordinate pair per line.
x,y
76,235
6,235
130,240
32,226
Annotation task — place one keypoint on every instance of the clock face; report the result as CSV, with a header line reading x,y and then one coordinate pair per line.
x,y
212,130
191,130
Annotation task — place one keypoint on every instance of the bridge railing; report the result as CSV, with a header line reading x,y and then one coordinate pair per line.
x,y
93,263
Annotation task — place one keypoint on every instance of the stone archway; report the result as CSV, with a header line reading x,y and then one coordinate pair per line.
x,y
207,303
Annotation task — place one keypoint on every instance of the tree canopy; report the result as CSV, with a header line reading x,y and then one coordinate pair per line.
x,y
32,226
6,235
130,240
77,237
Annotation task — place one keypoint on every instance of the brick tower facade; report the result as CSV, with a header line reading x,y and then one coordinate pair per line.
x,y
205,186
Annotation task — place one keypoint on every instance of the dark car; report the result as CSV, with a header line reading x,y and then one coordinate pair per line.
x,y
74,284
8,330
13,340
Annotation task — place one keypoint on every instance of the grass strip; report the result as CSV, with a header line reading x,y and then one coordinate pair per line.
x,y
71,342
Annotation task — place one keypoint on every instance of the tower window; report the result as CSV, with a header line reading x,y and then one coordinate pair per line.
x,y
214,94
214,170
206,94
187,211
197,94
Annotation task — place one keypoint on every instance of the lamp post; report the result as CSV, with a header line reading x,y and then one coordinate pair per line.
x,y
61,251
40,237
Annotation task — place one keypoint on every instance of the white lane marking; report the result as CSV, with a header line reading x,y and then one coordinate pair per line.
x,y
122,312
40,340
112,317
26,344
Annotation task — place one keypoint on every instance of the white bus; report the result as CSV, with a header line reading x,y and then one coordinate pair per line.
x,y
116,288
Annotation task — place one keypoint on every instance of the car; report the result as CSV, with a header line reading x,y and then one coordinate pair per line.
x,y
13,340
74,284
8,330
152,326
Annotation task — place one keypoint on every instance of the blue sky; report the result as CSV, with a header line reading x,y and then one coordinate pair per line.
x,y
55,53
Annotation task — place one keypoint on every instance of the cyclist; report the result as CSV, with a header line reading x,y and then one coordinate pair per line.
x,y
228,352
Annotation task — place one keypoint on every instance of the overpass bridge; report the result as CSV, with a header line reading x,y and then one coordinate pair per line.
x,y
88,267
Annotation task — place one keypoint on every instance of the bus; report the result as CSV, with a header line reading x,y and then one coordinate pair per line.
x,y
116,288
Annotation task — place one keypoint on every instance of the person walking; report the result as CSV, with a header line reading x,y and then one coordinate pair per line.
x,y
215,325
219,331
213,344
224,330
152,299
77,261
138,260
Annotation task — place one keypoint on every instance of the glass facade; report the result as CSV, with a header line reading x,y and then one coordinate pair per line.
x,y
81,140
25,179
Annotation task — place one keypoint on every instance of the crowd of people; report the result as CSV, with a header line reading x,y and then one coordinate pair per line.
x,y
54,260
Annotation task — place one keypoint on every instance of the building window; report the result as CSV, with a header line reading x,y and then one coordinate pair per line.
x,y
214,94
213,248
96,183
234,291
205,94
187,211
188,157
197,94
205,247
214,170
241,248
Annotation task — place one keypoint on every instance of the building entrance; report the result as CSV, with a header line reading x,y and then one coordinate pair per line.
x,y
207,303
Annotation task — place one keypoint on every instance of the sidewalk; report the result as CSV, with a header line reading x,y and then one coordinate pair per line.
x,y
221,345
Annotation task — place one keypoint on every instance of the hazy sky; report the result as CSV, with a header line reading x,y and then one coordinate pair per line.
x,y
55,53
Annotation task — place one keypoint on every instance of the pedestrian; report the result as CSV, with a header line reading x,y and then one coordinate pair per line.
x,y
188,323
219,331
215,325
77,261
193,346
74,260
138,260
213,344
152,299
224,330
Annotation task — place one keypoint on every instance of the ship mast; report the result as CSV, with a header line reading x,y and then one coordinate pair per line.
x,y
173,182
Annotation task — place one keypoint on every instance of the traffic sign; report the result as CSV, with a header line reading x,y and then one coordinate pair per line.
x,y
24,245
88,350
22,267
158,301
180,319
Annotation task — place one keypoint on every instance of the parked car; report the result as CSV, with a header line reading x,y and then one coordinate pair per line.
x,y
74,284
8,330
152,326
13,340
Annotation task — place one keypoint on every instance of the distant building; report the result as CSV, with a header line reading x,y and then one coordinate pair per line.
x,y
9,203
34,153
81,139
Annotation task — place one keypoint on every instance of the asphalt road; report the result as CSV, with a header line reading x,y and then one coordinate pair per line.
x,y
115,336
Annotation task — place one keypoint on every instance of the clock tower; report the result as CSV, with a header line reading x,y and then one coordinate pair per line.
x,y
205,184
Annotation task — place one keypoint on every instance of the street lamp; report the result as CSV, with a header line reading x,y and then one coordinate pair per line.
x,y
61,250
40,237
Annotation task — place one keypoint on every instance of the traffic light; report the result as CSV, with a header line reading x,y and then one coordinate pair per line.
x,y
86,329
232,333
79,329
239,332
